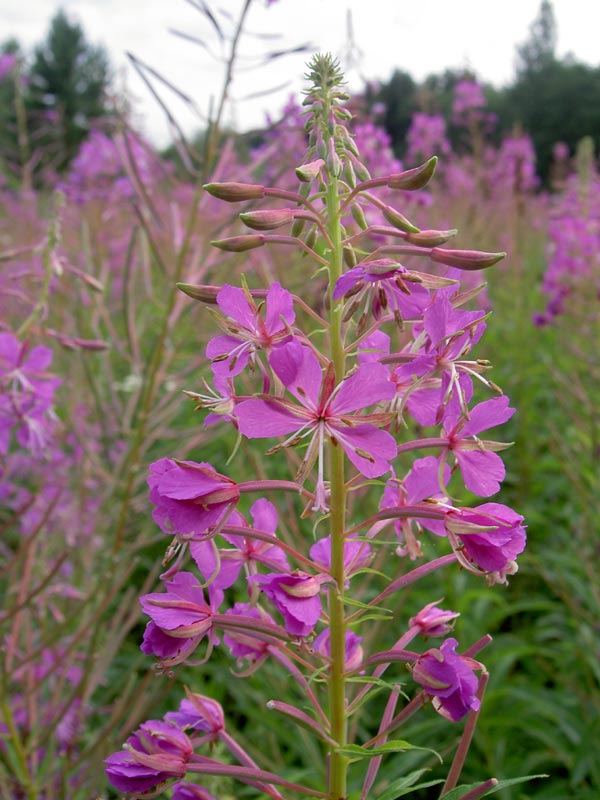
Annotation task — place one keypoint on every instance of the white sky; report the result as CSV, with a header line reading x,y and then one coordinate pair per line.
x,y
419,37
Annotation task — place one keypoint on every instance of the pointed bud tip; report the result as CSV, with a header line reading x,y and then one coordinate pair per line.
x,y
235,192
206,294
239,244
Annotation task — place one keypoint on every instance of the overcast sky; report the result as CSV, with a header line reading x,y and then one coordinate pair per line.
x,y
419,37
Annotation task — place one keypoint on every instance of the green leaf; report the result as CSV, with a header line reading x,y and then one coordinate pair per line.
x,y
461,791
350,601
355,752
405,785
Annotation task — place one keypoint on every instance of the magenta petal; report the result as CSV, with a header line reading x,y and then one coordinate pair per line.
x,y
158,643
374,347
260,419
300,372
347,281
370,384
127,775
423,480
380,446
233,303
279,304
482,472
237,350
487,415
187,480
264,515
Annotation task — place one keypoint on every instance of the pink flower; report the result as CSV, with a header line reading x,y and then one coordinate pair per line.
x,y
247,550
433,621
190,498
421,483
296,597
157,751
26,394
241,643
325,410
381,281
180,613
354,651
246,330
481,468
449,679
493,550
199,713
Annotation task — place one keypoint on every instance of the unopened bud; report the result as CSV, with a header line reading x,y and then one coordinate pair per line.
x,y
206,294
333,161
398,220
297,227
350,257
239,244
430,238
465,259
267,220
413,179
349,174
359,217
308,172
235,192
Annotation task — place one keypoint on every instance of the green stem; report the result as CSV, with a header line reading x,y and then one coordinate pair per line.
x,y
337,683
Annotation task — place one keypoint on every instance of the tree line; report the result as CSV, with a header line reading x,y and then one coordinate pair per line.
x,y
63,90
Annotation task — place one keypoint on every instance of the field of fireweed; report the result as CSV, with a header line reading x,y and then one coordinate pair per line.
x,y
264,494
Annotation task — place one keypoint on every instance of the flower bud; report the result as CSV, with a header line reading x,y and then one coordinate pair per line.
x,y
333,161
239,244
430,238
267,220
235,192
359,217
308,172
204,293
465,259
398,220
413,179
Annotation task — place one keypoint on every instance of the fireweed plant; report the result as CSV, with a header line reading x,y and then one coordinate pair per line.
x,y
390,352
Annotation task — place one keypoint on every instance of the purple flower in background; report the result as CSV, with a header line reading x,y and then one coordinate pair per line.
x,y
296,597
426,135
26,394
190,498
356,554
241,643
246,329
449,679
354,651
8,62
157,751
468,95
190,791
325,410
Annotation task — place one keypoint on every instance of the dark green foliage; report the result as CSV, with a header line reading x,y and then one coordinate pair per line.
x,y
68,80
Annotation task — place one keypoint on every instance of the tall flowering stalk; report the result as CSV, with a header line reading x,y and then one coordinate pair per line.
x,y
390,344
